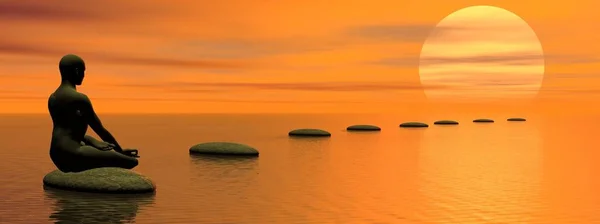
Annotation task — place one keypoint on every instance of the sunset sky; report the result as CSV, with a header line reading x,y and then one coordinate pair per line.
x,y
252,56
481,53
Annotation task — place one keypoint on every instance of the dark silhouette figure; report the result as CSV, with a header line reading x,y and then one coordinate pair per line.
x,y
71,149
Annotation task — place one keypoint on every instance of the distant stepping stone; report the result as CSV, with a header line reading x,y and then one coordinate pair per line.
x,y
446,122
516,119
100,180
413,125
223,148
309,132
363,127
483,120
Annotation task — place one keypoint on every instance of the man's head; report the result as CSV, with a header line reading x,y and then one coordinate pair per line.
x,y
72,69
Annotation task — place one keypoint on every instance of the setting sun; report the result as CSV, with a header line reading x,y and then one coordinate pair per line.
x,y
481,53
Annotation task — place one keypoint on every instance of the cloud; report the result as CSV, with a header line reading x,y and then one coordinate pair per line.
x,y
217,100
572,75
26,49
250,48
450,33
523,82
571,59
207,100
169,62
12,47
514,58
421,32
72,11
40,10
572,90
398,32
329,86
246,48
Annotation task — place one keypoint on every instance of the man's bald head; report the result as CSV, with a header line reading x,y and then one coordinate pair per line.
x,y
72,68
70,62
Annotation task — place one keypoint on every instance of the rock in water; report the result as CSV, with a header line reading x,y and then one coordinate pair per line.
x,y
446,122
483,120
516,119
413,125
100,180
363,127
308,132
223,148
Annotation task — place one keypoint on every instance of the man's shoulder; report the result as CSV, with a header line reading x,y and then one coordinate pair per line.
x,y
82,97
69,96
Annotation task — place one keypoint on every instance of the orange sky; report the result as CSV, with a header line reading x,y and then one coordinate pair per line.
x,y
237,56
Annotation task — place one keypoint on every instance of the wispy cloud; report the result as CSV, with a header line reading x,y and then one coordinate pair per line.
x,y
571,59
246,48
71,11
43,11
514,58
329,86
582,75
421,32
115,58
179,63
499,80
250,48
393,32
12,47
217,100
566,91
199,100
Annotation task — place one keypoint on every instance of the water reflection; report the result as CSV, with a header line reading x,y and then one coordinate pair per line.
x,y
481,173
210,173
223,168
310,160
227,186
305,146
89,208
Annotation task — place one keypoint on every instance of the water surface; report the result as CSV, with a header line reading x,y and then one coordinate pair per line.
x,y
540,171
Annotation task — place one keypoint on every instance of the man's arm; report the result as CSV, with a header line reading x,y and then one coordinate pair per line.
x,y
92,119
89,140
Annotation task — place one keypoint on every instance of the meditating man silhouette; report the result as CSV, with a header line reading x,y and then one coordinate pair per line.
x,y
70,149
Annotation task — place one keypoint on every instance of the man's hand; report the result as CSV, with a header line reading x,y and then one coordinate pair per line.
x,y
104,146
130,152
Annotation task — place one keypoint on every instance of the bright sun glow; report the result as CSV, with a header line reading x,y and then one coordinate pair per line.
x,y
481,53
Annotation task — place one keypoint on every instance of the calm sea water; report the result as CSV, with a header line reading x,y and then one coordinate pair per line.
x,y
542,171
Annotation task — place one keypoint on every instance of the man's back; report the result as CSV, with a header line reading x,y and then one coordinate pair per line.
x,y
64,107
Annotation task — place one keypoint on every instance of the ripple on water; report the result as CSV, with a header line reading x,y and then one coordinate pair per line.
x,y
78,207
